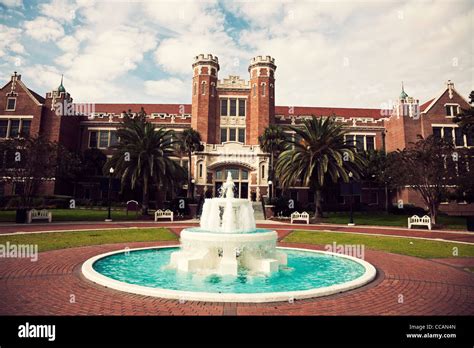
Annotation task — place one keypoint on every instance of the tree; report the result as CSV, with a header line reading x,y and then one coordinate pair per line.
x,y
320,152
380,170
93,161
428,167
32,161
466,118
143,156
464,190
272,141
189,142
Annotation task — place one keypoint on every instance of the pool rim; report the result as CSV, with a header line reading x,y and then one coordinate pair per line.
x,y
91,274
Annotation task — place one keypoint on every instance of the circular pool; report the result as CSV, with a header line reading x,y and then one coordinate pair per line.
x,y
309,273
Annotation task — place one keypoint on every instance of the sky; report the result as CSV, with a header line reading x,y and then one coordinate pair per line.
x,y
328,53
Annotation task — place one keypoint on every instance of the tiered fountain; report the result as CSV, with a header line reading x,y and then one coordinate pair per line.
x,y
228,259
227,240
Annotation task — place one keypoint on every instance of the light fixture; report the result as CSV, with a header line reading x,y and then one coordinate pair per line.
x,y
111,170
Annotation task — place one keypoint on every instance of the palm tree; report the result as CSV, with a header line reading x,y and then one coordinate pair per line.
x,y
320,151
189,142
272,141
143,156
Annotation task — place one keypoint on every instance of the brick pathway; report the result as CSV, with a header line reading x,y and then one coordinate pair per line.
x,y
46,287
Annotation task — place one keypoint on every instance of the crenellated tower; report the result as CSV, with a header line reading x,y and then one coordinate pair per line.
x,y
205,118
262,96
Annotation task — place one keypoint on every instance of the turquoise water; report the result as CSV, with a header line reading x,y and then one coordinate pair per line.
x,y
305,270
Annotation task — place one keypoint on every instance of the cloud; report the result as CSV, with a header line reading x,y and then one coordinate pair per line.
x,y
9,41
44,29
169,90
11,3
61,10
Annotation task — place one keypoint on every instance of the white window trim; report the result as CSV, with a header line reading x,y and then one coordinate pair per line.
x,y
6,106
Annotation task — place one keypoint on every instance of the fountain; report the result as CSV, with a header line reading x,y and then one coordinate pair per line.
x,y
227,239
228,259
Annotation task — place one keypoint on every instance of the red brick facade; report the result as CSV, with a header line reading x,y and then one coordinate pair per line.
x,y
234,127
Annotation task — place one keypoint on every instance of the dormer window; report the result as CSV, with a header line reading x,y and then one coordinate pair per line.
x,y
11,104
452,110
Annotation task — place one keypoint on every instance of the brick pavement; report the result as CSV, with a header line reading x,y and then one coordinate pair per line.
x,y
45,288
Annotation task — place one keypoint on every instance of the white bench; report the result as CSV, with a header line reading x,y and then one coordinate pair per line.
x,y
304,216
416,220
163,214
43,214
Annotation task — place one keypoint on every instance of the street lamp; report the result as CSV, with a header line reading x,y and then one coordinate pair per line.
x,y
270,183
192,188
351,193
111,172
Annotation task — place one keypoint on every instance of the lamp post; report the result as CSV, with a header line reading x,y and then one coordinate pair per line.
x,y
192,188
270,183
351,193
111,172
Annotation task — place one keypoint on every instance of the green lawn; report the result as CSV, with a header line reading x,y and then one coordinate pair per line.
x,y
76,215
61,240
382,219
420,248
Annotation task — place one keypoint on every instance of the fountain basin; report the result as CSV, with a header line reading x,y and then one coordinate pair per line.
x,y
224,253
309,274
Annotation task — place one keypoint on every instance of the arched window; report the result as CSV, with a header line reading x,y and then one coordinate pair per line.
x,y
194,88
213,88
254,90
203,88
263,171
263,88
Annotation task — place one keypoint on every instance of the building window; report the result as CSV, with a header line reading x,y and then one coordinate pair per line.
x,y
102,139
223,135
194,88
14,128
437,132
452,110
11,104
224,109
370,143
242,135
241,107
203,88
200,170
458,137
232,134
254,90
362,142
3,128
470,138
25,128
213,87
263,89
233,107
263,172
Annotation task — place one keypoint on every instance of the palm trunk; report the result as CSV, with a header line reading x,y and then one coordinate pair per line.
x,y
145,200
190,192
317,206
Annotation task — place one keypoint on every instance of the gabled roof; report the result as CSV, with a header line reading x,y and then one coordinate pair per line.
x,y
32,94
435,100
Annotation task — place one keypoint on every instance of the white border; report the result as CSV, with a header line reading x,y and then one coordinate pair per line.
x,y
96,277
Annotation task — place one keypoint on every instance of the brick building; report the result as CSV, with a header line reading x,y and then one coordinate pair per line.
x,y
230,114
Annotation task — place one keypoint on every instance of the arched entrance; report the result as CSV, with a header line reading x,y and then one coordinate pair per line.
x,y
240,176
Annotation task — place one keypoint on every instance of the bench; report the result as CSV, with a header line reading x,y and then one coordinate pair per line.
x,y
304,216
416,220
163,214
43,214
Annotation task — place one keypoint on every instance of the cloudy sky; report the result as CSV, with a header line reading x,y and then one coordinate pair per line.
x,y
338,53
